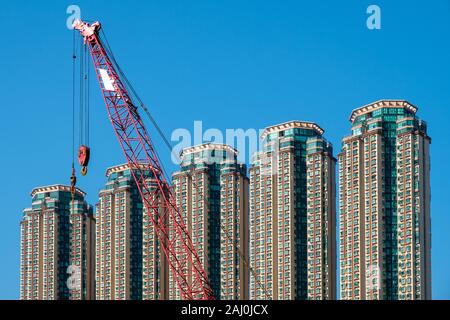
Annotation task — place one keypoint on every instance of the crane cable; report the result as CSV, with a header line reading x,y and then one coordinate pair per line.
x,y
85,75
84,108
84,94
73,178
88,111
81,98
169,146
74,57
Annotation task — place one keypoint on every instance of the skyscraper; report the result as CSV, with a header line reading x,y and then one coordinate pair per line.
x,y
384,178
82,251
129,265
292,214
211,191
56,244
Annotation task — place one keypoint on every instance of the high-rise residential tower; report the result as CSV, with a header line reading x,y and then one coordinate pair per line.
x,y
56,244
130,264
384,178
82,251
292,214
211,190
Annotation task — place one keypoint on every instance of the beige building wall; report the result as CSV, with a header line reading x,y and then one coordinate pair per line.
x,y
414,226
121,219
82,251
234,235
292,215
211,192
321,195
385,234
155,268
263,254
50,242
104,248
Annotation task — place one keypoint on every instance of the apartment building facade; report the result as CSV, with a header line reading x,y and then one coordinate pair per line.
x,y
130,264
384,199
56,246
211,190
292,214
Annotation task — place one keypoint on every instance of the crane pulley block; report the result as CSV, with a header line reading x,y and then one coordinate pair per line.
x,y
73,182
84,154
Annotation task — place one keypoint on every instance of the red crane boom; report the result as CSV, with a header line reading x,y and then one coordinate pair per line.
x,y
174,238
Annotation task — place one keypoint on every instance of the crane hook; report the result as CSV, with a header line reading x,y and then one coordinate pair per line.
x,y
84,154
73,182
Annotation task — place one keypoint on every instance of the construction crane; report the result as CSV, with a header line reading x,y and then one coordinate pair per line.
x,y
140,154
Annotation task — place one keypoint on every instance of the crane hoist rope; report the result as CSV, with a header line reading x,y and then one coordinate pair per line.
x,y
84,150
73,177
83,111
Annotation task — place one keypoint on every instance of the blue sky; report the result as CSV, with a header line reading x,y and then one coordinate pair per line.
x,y
231,64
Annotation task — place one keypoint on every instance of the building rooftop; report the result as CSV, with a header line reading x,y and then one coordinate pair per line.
x,y
382,104
56,187
207,146
291,125
122,167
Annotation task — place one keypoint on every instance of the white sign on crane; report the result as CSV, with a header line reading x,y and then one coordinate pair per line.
x,y
108,83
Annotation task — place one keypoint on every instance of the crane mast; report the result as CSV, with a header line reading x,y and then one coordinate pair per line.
x,y
159,201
